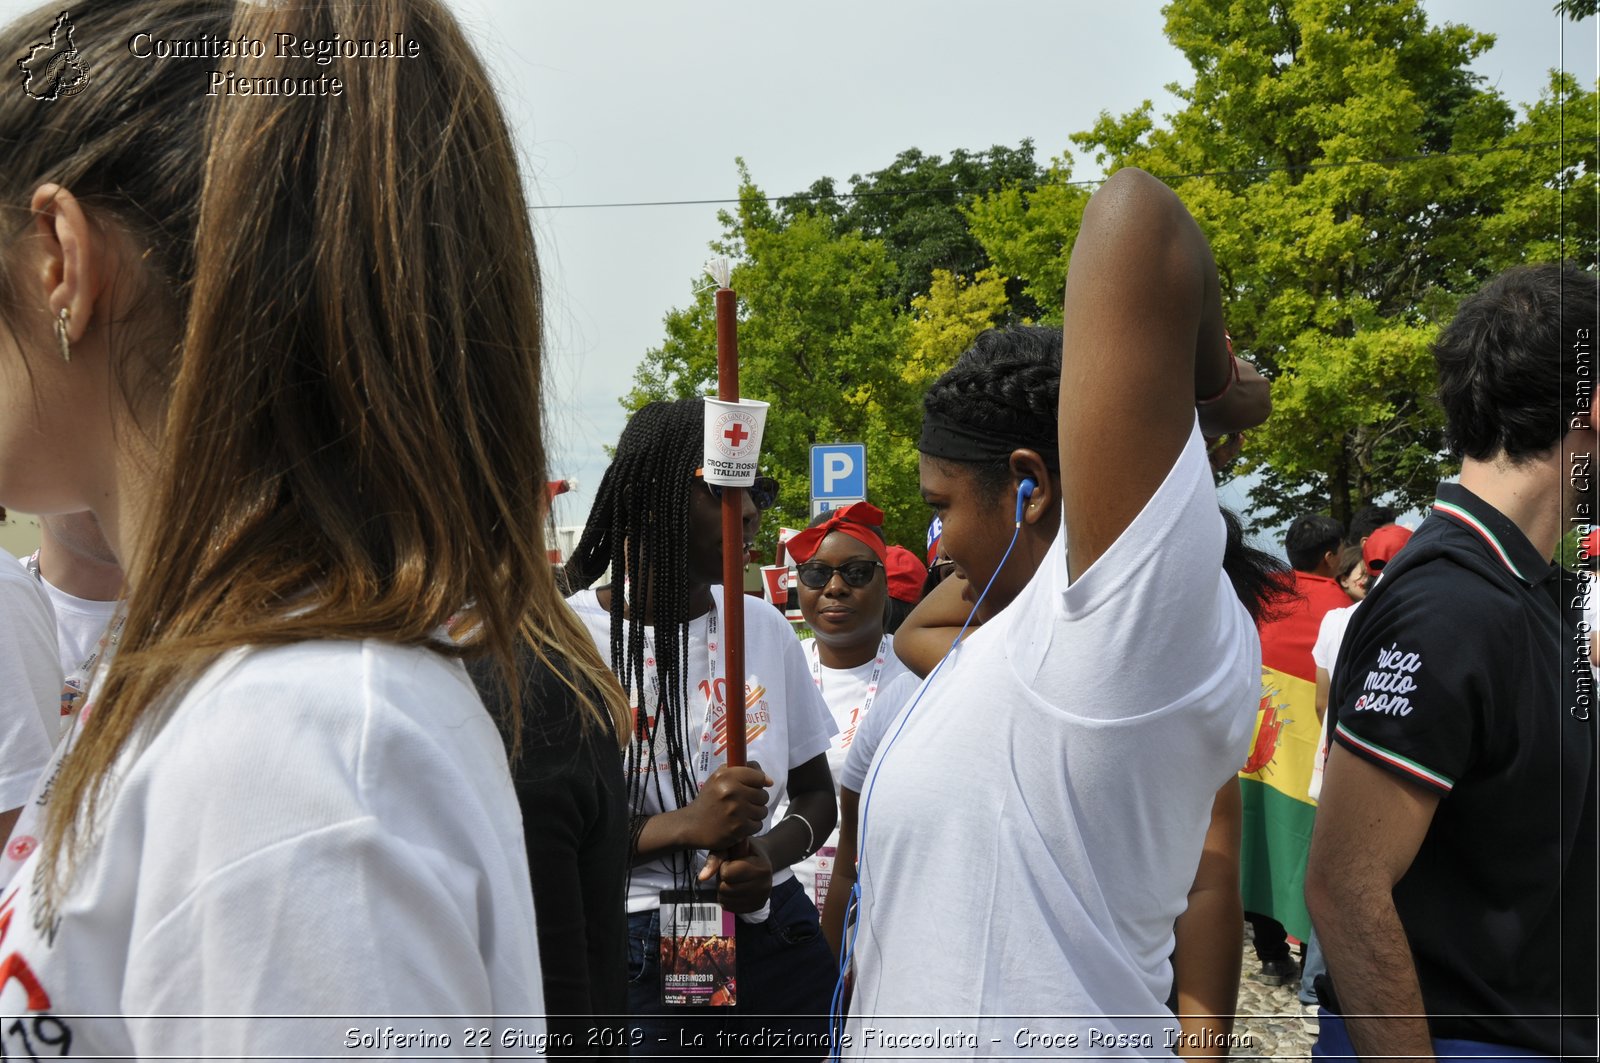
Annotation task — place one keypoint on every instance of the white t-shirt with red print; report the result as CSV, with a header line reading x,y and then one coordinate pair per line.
x,y
30,682
324,829
786,721
849,693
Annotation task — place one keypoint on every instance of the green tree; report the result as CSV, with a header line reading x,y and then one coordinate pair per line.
x,y
917,207
818,338
1551,169
1028,234
1330,151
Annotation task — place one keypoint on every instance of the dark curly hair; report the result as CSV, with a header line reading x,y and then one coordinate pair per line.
x,y
1518,361
1310,538
1008,384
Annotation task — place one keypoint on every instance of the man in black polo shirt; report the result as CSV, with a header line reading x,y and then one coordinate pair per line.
x,y
1453,864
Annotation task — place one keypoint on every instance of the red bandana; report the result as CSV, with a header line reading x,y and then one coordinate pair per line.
x,y
856,522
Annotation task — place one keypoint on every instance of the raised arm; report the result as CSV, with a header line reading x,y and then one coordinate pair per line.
x,y
1144,342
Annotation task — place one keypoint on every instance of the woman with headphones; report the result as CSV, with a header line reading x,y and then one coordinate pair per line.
x,y
1110,691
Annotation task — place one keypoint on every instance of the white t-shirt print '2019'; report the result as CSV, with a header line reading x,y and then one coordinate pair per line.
x,y
325,829
786,721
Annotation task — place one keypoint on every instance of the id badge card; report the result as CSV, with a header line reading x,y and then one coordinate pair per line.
x,y
698,966
825,857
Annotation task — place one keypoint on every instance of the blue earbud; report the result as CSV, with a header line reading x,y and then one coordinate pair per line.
x,y
1024,492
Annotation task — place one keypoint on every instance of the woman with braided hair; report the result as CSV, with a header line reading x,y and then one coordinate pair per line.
x,y
656,524
1101,709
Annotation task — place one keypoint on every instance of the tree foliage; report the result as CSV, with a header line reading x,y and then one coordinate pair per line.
x,y
1354,176
1332,153
914,206
818,338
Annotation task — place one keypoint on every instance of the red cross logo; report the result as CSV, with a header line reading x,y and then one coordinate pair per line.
x,y
737,434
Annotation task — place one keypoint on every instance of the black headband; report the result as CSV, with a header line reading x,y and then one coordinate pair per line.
x,y
955,441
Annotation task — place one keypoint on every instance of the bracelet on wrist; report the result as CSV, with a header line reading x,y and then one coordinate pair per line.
x,y
1233,378
811,835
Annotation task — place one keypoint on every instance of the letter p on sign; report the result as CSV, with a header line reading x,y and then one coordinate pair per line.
x,y
838,471
835,467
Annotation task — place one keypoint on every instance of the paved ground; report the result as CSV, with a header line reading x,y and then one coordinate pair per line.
x,y
1270,1016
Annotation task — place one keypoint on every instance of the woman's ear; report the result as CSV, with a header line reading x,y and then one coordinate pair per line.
x,y
1028,465
71,262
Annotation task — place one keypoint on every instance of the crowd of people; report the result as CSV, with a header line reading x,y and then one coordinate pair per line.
x,y
302,731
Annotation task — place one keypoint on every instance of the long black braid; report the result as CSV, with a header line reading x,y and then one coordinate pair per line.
x,y
1008,384
639,527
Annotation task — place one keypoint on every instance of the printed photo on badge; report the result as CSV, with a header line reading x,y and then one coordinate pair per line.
x,y
698,967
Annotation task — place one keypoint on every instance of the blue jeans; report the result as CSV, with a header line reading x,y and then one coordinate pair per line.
x,y
786,977
1333,1042
1313,966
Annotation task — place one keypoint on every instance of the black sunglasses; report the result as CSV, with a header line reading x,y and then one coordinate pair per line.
x,y
817,574
764,492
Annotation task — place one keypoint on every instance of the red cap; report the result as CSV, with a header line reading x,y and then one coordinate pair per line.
x,y
1591,546
906,574
1383,544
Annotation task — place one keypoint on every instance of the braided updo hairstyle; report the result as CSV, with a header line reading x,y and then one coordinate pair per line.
x,y
1008,385
639,528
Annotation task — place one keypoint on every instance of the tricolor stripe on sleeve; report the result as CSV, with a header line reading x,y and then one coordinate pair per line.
x,y
1403,765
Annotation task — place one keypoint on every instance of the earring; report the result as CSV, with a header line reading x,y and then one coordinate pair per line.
x,y
62,320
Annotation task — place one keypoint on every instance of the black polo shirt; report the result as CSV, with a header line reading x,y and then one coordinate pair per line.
x,y
1461,674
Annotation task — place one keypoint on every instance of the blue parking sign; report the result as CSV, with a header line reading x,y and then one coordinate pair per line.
x,y
838,470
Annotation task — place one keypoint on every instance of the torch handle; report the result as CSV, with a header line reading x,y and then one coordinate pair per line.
x,y
733,554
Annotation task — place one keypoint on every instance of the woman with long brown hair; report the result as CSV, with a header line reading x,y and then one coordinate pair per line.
x,y
286,348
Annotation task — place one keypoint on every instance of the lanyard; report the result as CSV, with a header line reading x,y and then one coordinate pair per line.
x,y
77,682
715,710
872,684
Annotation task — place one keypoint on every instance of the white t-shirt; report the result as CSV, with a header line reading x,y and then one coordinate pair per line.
x,y
892,702
850,693
1032,830
323,829
1324,652
30,682
786,722
80,623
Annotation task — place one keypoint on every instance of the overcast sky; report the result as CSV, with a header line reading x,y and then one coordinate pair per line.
x,y
620,101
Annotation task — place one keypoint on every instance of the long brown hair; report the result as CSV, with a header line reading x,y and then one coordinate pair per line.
x,y
348,404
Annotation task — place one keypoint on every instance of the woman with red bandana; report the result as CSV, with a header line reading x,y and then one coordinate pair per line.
x,y
842,564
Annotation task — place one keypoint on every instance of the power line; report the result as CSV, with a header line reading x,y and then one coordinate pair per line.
x,y
1243,171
